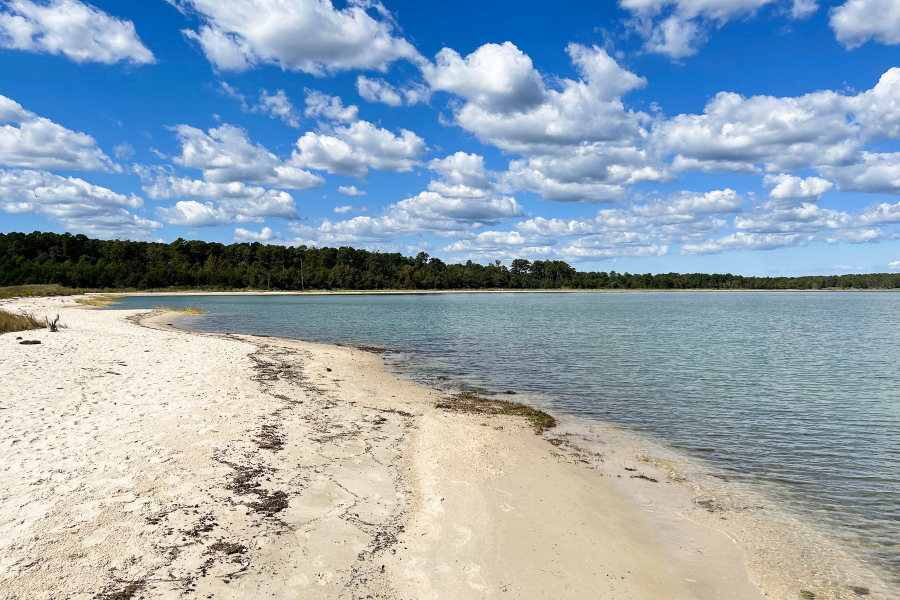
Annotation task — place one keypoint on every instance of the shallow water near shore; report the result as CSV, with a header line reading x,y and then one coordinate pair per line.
x,y
797,395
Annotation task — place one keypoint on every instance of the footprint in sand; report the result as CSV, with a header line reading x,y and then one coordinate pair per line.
x,y
97,537
473,571
463,535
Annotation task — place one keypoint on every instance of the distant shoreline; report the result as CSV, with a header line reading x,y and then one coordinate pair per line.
x,y
57,290
100,265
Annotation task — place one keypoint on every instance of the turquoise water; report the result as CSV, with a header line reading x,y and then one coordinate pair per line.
x,y
799,392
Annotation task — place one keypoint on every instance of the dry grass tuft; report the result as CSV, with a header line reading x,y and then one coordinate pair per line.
x,y
470,403
23,321
183,310
100,300
28,291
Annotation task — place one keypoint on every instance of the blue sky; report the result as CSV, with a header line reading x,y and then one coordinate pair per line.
x,y
747,136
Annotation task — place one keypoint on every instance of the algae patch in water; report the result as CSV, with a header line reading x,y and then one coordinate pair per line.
x,y
470,403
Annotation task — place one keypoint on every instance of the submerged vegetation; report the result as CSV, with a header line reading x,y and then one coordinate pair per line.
x,y
709,505
10,321
191,311
470,403
100,301
76,261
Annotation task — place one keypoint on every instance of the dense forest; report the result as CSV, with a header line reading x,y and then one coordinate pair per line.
x,y
81,262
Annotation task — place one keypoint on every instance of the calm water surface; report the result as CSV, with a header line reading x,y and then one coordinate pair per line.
x,y
799,392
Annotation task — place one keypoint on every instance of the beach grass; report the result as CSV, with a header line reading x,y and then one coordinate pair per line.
x,y
470,403
99,301
191,311
29,291
10,322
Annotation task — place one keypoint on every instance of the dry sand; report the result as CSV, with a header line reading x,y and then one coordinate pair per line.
x,y
139,461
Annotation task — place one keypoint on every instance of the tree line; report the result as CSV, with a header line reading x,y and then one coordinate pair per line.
x,y
81,262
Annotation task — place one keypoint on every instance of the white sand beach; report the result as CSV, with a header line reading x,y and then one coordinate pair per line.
x,y
140,461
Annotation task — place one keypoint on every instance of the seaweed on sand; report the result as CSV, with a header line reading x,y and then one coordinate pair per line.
x,y
127,591
228,547
243,481
270,438
270,503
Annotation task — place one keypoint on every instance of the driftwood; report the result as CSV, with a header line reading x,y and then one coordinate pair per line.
x,y
52,325
30,342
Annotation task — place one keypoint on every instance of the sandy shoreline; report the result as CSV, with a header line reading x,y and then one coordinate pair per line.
x,y
162,463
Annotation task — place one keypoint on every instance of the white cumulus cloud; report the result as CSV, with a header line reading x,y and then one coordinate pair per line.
x,y
857,21
427,211
331,108
352,149
301,35
509,106
264,235
227,202
71,28
748,134
276,106
466,196
279,106
27,140
803,9
875,173
745,241
676,28
225,154
77,204
190,213
497,77
789,187
350,190
674,37
379,90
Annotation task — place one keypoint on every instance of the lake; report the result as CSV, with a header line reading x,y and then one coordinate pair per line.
x,y
796,392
